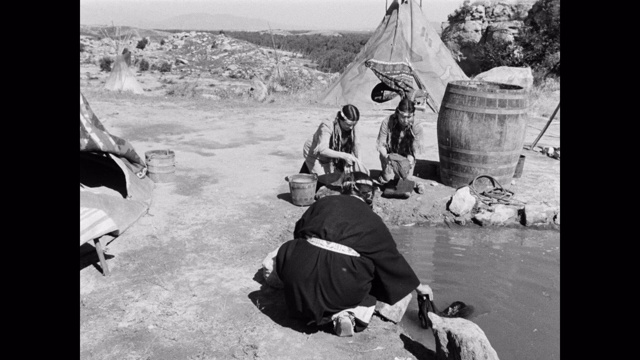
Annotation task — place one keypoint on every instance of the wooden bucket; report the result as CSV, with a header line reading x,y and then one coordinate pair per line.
x,y
161,166
481,128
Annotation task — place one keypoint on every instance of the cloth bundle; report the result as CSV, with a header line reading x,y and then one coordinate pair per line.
x,y
400,165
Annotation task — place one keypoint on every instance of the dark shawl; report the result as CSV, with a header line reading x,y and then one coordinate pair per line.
x,y
319,282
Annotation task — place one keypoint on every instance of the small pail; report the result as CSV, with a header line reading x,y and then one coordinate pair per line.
x,y
161,166
519,167
303,188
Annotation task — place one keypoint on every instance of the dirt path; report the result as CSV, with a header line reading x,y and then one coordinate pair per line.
x,y
185,280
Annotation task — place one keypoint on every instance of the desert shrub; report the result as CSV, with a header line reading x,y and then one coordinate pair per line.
x,y
144,65
331,53
105,64
142,43
185,89
497,53
293,82
460,14
162,42
82,46
164,67
540,39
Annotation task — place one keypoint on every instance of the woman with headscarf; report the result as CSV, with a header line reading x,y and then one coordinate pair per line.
x,y
399,140
343,259
333,147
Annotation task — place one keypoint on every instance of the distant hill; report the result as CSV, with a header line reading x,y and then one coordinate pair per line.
x,y
216,22
97,31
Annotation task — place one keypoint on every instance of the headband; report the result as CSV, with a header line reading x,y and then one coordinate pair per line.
x,y
364,182
344,118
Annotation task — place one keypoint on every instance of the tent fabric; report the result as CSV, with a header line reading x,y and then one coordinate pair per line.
x,y
122,78
94,137
114,188
403,36
94,223
401,78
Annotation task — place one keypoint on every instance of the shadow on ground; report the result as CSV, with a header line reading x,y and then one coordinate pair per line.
x,y
427,169
271,302
416,349
88,256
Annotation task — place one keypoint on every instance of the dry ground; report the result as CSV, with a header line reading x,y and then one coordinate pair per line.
x,y
185,280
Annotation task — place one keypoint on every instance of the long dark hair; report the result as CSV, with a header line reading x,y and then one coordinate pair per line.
x,y
351,113
404,147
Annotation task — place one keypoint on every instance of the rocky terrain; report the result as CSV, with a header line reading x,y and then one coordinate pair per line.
x,y
483,21
213,66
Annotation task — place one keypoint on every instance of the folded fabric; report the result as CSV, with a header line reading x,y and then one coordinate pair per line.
x,y
400,165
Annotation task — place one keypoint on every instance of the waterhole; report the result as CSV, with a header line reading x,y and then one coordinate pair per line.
x,y
510,276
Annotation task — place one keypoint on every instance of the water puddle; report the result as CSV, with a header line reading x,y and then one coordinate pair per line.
x,y
510,276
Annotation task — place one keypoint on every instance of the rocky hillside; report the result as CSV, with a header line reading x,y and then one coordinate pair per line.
x,y
483,21
216,56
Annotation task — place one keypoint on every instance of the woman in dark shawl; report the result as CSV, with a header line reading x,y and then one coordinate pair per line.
x,y
342,260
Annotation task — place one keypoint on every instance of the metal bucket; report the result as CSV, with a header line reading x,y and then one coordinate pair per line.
x,y
161,166
303,188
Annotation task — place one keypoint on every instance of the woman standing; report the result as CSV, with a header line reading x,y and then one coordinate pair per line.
x,y
398,143
333,146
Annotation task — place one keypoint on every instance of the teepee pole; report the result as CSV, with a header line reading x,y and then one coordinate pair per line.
x,y
411,17
546,126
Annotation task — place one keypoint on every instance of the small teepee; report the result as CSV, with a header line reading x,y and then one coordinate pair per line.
x,y
122,78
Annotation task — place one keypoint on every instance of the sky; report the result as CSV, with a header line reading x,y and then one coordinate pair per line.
x,y
309,14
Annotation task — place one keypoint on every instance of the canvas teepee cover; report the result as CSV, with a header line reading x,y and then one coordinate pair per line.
x,y
114,188
404,39
122,78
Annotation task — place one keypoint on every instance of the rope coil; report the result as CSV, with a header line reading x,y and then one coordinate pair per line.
x,y
497,195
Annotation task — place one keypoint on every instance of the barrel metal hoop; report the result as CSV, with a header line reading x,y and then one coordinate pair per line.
x,y
472,152
487,95
484,110
478,166
465,175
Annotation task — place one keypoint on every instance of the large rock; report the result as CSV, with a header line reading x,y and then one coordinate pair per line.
x,y
508,75
538,214
460,339
482,22
502,31
462,201
499,216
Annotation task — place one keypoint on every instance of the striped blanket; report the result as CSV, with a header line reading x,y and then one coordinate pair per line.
x,y
94,223
401,78
114,188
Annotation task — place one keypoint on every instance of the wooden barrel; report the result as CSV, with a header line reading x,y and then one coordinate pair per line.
x,y
481,128
161,166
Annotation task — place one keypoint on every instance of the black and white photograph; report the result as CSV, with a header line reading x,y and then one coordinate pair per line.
x,y
319,179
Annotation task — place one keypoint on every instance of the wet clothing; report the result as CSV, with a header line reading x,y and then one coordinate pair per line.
x,y
319,282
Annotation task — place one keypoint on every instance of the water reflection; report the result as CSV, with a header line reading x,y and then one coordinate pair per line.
x,y
510,276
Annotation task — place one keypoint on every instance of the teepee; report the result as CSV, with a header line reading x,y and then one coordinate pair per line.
x,y
403,50
122,78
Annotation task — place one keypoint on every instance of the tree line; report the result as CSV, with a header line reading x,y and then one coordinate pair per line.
x,y
330,53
